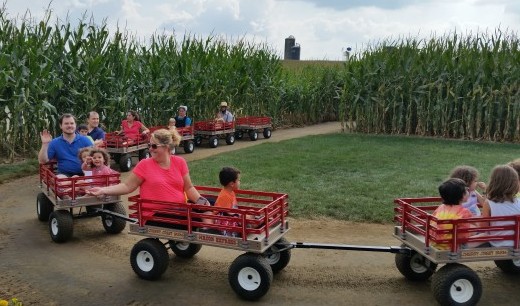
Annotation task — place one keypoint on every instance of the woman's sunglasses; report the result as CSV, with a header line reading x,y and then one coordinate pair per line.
x,y
154,145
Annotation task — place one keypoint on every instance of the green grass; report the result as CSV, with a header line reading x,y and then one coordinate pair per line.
x,y
352,176
20,169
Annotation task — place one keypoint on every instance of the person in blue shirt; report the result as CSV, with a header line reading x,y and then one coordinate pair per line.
x,y
182,119
64,149
94,130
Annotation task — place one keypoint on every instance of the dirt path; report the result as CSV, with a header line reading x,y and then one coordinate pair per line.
x,y
93,268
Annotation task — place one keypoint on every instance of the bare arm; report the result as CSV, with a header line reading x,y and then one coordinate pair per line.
x,y
191,192
46,138
486,211
144,129
131,184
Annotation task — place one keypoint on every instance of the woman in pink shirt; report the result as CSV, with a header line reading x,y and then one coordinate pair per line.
x,y
162,177
132,127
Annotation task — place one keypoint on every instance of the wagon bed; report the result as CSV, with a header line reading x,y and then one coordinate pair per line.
x,y
63,199
252,125
451,242
213,130
121,148
256,227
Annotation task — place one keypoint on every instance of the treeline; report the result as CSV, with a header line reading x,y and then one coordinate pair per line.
x,y
449,86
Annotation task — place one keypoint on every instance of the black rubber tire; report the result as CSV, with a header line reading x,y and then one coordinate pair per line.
x,y
509,266
125,162
267,133
253,135
112,224
278,260
198,140
184,249
44,207
250,276
149,259
61,225
213,142
414,267
230,138
456,284
144,154
239,135
189,146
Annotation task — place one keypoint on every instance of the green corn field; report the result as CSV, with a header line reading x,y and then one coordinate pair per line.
x,y
457,86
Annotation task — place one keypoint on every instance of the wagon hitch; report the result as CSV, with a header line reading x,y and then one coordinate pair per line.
x,y
348,247
114,214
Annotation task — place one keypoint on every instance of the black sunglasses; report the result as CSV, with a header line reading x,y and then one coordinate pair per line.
x,y
154,145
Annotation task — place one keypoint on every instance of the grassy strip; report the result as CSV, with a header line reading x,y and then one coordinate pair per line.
x,y
10,172
352,176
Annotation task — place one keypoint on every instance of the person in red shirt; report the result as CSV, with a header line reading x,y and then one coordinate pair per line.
x,y
162,177
132,127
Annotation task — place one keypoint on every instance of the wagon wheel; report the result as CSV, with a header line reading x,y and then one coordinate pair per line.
x,y
184,249
213,141
239,134
189,146
125,162
277,259
510,266
113,224
253,135
173,151
143,154
414,266
198,140
456,284
267,133
44,207
60,225
250,276
149,258
230,138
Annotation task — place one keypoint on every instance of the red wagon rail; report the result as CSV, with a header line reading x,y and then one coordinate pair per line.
x,y
121,148
213,130
452,242
63,199
252,125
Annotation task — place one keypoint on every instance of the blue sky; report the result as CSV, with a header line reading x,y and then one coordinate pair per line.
x,y
323,28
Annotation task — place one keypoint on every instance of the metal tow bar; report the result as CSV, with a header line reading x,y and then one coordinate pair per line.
x,y
347,247
114,214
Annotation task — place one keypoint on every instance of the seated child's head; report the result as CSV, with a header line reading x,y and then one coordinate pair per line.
x,y
453,191
83,129
100,157
171,122
84,153
468,174
230,177
503,184
515,164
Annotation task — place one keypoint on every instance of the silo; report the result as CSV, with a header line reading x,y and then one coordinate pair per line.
x,y
289,43
295,52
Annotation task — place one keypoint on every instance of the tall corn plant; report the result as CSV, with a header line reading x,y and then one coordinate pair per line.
x,y
459,86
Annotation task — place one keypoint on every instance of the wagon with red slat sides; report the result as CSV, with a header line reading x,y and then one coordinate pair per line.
x,y
214,130
63,199
256,228
252,126
452,242
187,137
121,148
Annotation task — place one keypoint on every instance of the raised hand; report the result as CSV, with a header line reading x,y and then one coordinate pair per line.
x,y
45,136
